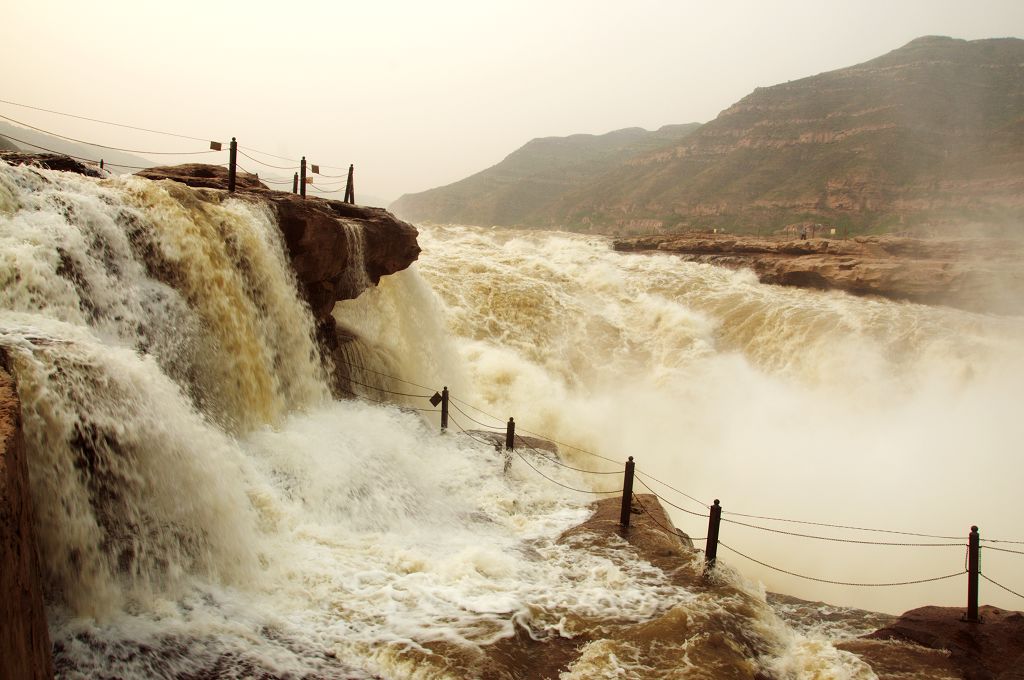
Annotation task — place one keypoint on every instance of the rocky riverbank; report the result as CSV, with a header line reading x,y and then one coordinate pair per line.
x,y
983,275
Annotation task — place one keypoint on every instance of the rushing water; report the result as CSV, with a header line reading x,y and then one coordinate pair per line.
x,y
205,509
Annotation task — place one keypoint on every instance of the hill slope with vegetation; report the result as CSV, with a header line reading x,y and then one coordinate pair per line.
x,y
929,137
525,188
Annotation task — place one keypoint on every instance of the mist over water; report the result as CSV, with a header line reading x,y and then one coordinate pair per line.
x,y
779,401
205,507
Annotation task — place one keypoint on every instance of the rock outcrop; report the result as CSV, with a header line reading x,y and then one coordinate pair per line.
x,y
990,650
24,639
50,161
972,274
329,242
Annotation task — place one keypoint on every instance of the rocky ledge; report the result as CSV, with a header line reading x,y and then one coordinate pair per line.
x,y
325,239
938,643
985,275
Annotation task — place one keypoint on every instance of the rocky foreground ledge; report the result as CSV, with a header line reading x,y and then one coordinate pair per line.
x,y
983,275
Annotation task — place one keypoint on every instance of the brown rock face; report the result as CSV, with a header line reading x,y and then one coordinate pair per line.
x,y
328,242
50,161
990,650
973,274
202,176
24,639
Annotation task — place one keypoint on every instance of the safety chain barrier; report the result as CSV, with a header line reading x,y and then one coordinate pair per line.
x,y
715,512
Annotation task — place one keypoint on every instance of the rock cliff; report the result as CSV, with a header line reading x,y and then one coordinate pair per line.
x,y
326,240
24,639
337,249
974,274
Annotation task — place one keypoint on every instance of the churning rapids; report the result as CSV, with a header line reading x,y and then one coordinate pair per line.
x,y
206,509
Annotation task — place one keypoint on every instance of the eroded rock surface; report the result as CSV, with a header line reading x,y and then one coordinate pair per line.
x,y
973,274
337,249
990,650
50,161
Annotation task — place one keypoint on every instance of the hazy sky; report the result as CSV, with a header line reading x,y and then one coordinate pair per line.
x,y
420,94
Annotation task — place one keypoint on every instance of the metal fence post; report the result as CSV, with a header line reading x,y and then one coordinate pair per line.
x,y
350,188
444,409
295,183
232,165
973,568
627,494
711,549
510,435
302,177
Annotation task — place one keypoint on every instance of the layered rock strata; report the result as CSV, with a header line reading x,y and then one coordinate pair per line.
x,y
973,274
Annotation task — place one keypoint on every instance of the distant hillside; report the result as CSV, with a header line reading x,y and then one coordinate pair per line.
x,y
524,188
30,140
930,135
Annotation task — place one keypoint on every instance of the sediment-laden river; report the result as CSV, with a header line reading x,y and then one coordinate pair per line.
x,y
206,509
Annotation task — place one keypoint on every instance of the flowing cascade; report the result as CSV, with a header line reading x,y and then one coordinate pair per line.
x,y
205,509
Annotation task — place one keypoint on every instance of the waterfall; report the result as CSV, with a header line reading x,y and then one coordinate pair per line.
x,y
204,508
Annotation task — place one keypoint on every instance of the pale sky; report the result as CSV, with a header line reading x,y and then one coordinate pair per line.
x,y
421,94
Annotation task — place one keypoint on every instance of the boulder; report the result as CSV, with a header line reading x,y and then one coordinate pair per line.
x,y
50,161
24,639
990,650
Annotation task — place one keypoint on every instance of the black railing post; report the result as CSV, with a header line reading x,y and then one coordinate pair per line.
x,y
101,164
295,183
350,187
711,549
302,177
232,164
627,494
444,409
510,435
973,569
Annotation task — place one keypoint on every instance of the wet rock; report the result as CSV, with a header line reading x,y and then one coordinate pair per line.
x,y
24,639
337,250
201,175
983,275
50,161
990,650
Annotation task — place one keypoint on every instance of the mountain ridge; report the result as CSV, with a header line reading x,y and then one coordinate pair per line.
x,y
929,136
521,188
